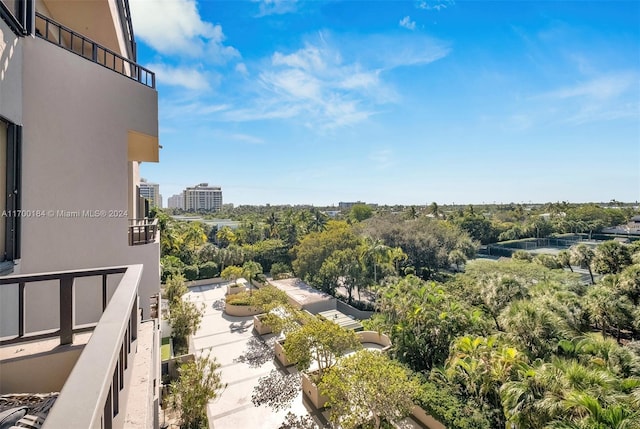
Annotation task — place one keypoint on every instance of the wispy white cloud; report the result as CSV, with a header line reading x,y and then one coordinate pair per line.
x,y
382,159
329,82
189,78
388,52
316,80
334,82
242,68
600,88
434,4
606,97
276,7
175,27
596,113
246,138
186,108
407,23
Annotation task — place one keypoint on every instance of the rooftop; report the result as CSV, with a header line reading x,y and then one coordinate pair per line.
x,y
341,319
303,294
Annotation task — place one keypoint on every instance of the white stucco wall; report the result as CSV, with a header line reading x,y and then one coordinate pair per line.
x,y
76,115
10,75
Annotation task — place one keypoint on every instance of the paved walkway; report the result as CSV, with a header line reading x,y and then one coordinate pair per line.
x,y
244,358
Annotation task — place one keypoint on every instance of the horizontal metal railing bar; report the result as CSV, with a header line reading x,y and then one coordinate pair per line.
x,y
57,275
143,222
82,400
136,69
45,335
142,231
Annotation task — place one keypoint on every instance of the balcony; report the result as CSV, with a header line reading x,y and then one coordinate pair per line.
x,y
58,34
105,372
142,231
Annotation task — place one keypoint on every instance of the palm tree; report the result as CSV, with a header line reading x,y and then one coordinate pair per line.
x,y
457,258
434,209
412,213
397,255
565,259
598,417
496,292
582,255
272,224
533,327
608,309
195,235
249,270
544,395
480,366
319,221
375,249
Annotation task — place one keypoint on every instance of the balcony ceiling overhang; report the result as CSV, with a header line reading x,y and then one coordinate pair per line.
x,y
143,147
96,19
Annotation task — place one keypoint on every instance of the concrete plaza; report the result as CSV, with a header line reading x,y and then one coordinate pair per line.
x,y
244,357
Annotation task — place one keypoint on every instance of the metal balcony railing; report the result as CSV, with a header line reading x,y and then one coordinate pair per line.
x,y
68,39
142,231
91,394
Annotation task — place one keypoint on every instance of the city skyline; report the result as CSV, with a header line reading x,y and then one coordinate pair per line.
x,y
396,102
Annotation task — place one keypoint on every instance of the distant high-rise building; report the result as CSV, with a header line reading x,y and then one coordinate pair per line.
x,y
151,191
176,201
344,205
203,197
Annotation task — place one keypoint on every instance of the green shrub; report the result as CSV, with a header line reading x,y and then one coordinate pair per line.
x,y
280,268
268,297
169,272
185,319
522,255
450,410
171,266
174,289
191,272
548,261
208,270
242,298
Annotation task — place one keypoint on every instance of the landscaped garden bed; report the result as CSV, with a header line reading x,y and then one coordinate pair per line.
x,y
237,287
254,302
374,337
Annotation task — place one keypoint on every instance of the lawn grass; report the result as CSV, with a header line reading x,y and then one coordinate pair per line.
x,y
165,349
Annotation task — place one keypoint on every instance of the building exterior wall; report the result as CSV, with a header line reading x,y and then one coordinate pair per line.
x,y
203,197
151,191
10,75
44,373
176,201
76,115
79,188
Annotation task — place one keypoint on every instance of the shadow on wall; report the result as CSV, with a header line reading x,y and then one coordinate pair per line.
x,y
7,48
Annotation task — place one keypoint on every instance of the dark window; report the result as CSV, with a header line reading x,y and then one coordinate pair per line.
x,y
10,154
18,14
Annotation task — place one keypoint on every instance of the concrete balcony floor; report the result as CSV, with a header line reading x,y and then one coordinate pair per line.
x,y
31,348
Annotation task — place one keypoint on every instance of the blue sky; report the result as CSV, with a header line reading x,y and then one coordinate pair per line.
x,y
392,102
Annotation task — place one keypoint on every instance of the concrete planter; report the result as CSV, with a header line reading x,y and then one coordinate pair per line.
x,y
235,288
374,337
280,354
310,389
241,310
421,415
260,327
